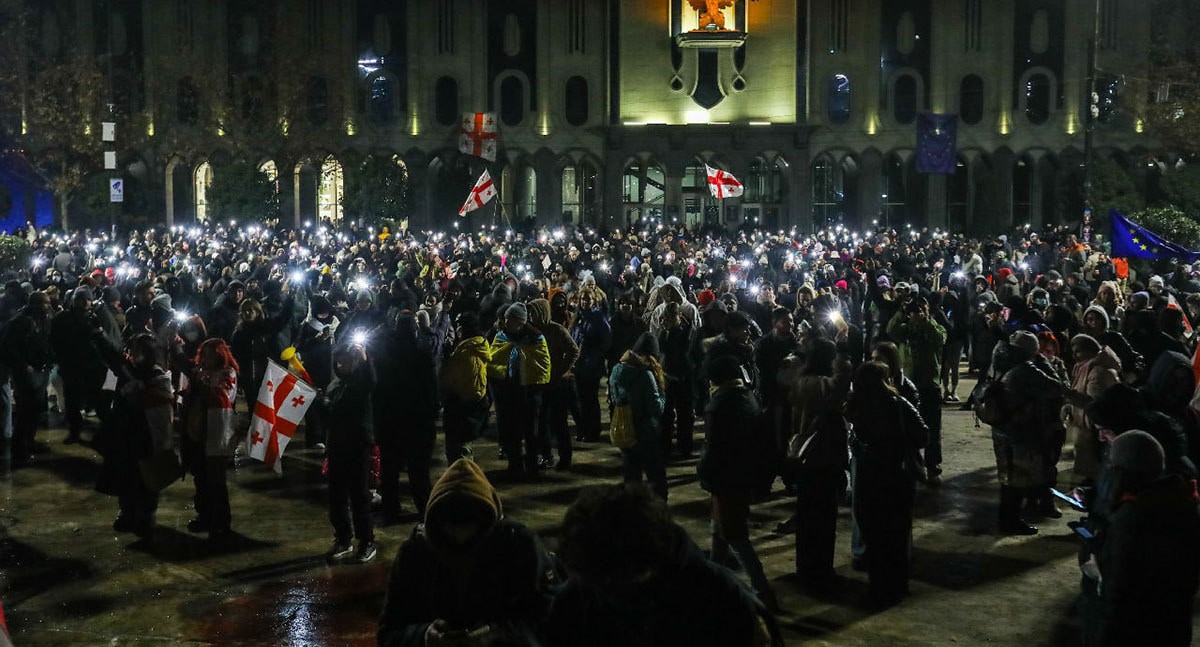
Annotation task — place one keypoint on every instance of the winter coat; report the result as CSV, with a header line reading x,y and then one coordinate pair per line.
x,y
722,346
351,414
26,342
1035,400
886,435
677,364
921,346
1123,408
624,335
811,396
593,334
769,354
563,350
505,581
717,611
464,372
222,318
524,357
737,449
72,336
1149,568
140,423
633,383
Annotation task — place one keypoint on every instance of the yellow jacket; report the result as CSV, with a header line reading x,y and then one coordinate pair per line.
x,y
527,358
464,373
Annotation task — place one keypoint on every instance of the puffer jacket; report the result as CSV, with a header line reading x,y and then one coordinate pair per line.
x,y
464,373
736,451
524,356
563,350
633,383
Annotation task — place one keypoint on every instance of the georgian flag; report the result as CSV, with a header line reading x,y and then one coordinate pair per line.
x,y
478,135
483,191
282,402
722,184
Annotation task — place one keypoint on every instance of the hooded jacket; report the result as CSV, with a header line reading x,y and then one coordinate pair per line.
x,y
633,383
524,356
563,350
464,373
503,578
1123,408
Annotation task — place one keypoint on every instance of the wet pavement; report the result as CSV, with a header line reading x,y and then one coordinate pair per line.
x,y
67,579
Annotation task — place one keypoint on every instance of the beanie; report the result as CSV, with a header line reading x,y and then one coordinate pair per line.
x,y
1099,310
646,344
1138,452
1026,341
1085,343
517,311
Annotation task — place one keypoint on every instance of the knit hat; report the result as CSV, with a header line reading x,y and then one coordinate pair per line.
x,y
1138,452
842,285
82,292
705,297
646,344
517,311
1085,342
462,495
883,282
1024,340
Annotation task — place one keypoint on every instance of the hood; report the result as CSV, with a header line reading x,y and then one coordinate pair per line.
x,y
539,312
1108,359
477,346
1161,371
1119,408
462,495
674,287
1102,312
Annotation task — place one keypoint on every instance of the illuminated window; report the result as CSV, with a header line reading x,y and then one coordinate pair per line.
x,y
272,172
329,193
201,180
570,194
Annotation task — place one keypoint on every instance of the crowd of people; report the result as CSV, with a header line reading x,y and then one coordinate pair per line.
x,y
818,362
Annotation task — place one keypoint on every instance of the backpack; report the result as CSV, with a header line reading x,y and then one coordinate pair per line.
x,y
990,407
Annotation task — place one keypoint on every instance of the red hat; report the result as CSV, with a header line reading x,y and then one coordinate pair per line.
x,y
705,297
842,285
1004,273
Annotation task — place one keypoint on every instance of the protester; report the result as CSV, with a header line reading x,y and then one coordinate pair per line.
x,y
518,368
351,435
208,439
637,382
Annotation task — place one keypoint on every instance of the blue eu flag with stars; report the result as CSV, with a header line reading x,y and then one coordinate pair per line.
x,y
1131,240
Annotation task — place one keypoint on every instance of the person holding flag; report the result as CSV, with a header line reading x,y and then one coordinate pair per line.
x,y
351,437
483,191
207,415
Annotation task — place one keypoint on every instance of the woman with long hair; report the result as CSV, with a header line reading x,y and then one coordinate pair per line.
x,y
888,434
638,382
208,438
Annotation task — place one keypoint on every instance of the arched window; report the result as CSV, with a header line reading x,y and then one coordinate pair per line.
x,y
512,101
381,100
318,101
201,180
570,193
445,100
970,99
577,101
1037,98
187,102
904,99
329,192
838,99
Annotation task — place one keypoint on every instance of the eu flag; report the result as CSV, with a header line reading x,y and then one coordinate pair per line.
x,y
937,143
1131,240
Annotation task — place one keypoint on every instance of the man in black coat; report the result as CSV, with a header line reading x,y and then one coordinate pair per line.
x,y
468,573
222,318
79,363
1141,569
351,436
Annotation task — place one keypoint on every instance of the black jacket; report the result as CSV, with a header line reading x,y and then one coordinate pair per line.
x,y
737,449
1150,569
716,611
351,417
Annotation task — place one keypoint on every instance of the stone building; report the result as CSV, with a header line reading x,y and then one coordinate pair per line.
x,y
609,110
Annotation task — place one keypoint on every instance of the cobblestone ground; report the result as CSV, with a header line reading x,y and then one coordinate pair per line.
x,y
66,578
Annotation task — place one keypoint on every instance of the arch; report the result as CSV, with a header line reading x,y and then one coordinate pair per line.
x,y
202,178
971,99
330,191
1037,89
512,97
837,99
576,101
381,89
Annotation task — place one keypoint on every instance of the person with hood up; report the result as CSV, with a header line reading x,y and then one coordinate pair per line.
x,y
518,369
223,316
1123,408
463,382
636,578
736,459
556,398
593,335
678,414
638,382
672,292
315,344
468,575
1097,324
1169,390
735,342
208,437
1141,569
1096,370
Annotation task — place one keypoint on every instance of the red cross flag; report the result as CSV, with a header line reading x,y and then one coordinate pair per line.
x,y
483,191
478,135
722,184
282,401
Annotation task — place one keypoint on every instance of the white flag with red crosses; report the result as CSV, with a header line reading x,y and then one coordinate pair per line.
x,y
282,402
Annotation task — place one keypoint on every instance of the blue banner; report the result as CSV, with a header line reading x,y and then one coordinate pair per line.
x,y
937,143
1131,240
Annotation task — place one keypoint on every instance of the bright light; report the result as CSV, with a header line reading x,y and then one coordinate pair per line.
x,y
180,315
696,116
358,338
361,283
298,277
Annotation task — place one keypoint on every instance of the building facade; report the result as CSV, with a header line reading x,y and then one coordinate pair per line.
x,y
609,110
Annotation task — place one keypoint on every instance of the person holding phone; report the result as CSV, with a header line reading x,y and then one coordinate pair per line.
x,y
922,341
